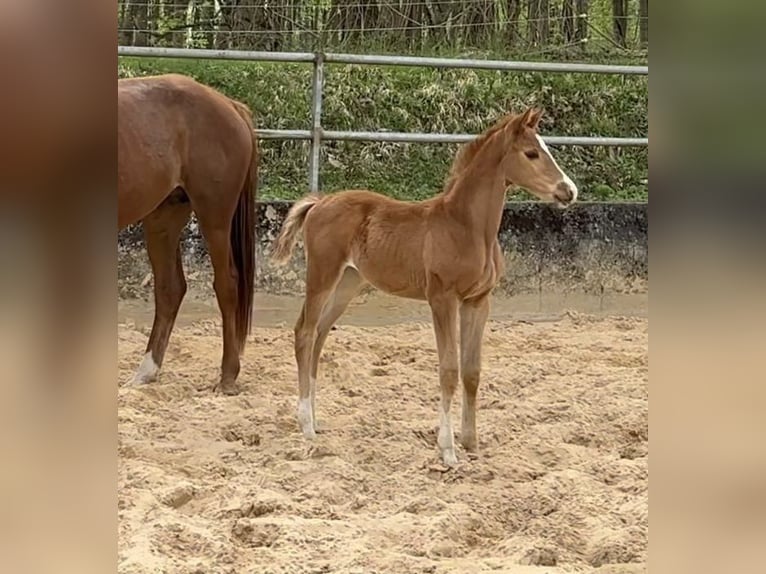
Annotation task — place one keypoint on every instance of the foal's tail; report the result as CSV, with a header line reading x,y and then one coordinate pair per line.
x,y
243,235
291,227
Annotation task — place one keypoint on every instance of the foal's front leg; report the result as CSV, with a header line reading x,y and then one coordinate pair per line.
x,y
473,318
444,312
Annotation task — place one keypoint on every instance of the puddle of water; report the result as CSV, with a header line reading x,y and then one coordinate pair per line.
x,y
377,309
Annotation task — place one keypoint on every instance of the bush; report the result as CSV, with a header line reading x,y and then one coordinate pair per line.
x,y
429,100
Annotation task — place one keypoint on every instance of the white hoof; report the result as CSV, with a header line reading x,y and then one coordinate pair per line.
x,y
146,372
449,457
306,418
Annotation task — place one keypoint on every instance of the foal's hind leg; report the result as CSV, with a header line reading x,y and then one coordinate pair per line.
x,y
344,293
473,318
162,232
322,278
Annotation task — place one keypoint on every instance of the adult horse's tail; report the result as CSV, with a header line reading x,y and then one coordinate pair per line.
x,y
243,235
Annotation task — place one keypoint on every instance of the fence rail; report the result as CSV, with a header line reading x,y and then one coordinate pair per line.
x,y
381,60
414,137
317,134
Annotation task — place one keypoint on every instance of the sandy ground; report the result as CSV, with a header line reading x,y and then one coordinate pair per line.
x,y
227,484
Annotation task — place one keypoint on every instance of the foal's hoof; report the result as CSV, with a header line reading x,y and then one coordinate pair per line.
x,y
319,428
449,458
307,427
309,434
470,445
227,388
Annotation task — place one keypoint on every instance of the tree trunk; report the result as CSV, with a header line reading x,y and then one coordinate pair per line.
x,y
568,21
533,22
223,36
581,16
208,14
136,23
123,23
643,25
620,21
545,23
513,34
171,16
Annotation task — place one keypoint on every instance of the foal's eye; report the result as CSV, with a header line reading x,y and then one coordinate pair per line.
x,y
532,154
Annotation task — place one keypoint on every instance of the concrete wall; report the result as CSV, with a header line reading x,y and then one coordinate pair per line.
x,y
598,248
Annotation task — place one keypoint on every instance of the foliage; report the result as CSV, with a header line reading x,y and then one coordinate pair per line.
x,y
416,99
565,27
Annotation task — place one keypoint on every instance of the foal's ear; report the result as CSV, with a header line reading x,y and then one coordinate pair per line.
x,y
527,117
519,123
534,119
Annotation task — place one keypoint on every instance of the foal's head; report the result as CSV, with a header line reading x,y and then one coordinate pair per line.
x,y
528,162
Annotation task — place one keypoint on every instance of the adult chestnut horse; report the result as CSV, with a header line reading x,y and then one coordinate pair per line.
x,y
443,250
185,147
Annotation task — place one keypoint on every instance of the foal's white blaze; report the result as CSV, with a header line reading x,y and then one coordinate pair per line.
x,y
564,176
147,370
306,417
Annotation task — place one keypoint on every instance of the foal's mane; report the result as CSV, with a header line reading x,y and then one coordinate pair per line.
x,y
467,153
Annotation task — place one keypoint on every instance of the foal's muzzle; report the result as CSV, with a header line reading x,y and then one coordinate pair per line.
x,y
564,193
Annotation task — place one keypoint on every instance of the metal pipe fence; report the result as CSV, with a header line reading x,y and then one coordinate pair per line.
x,y
317,134
415,137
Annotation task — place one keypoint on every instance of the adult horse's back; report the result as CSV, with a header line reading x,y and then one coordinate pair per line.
x,y
185,147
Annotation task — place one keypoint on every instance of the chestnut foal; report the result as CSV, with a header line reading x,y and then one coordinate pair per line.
x,y
443,250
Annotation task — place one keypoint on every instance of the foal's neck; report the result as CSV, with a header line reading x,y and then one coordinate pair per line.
x,y
477,198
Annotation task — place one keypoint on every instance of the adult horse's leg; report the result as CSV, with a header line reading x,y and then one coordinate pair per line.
x,y
228,225
322,278
444,309
344,293
216,228
162,232
473,318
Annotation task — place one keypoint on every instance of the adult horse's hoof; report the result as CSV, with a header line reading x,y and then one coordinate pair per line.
x,y
227,388
146,373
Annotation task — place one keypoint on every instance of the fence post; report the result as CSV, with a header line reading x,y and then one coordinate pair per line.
x,y
316,121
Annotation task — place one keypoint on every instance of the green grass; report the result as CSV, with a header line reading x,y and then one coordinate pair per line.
x,y
427,100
